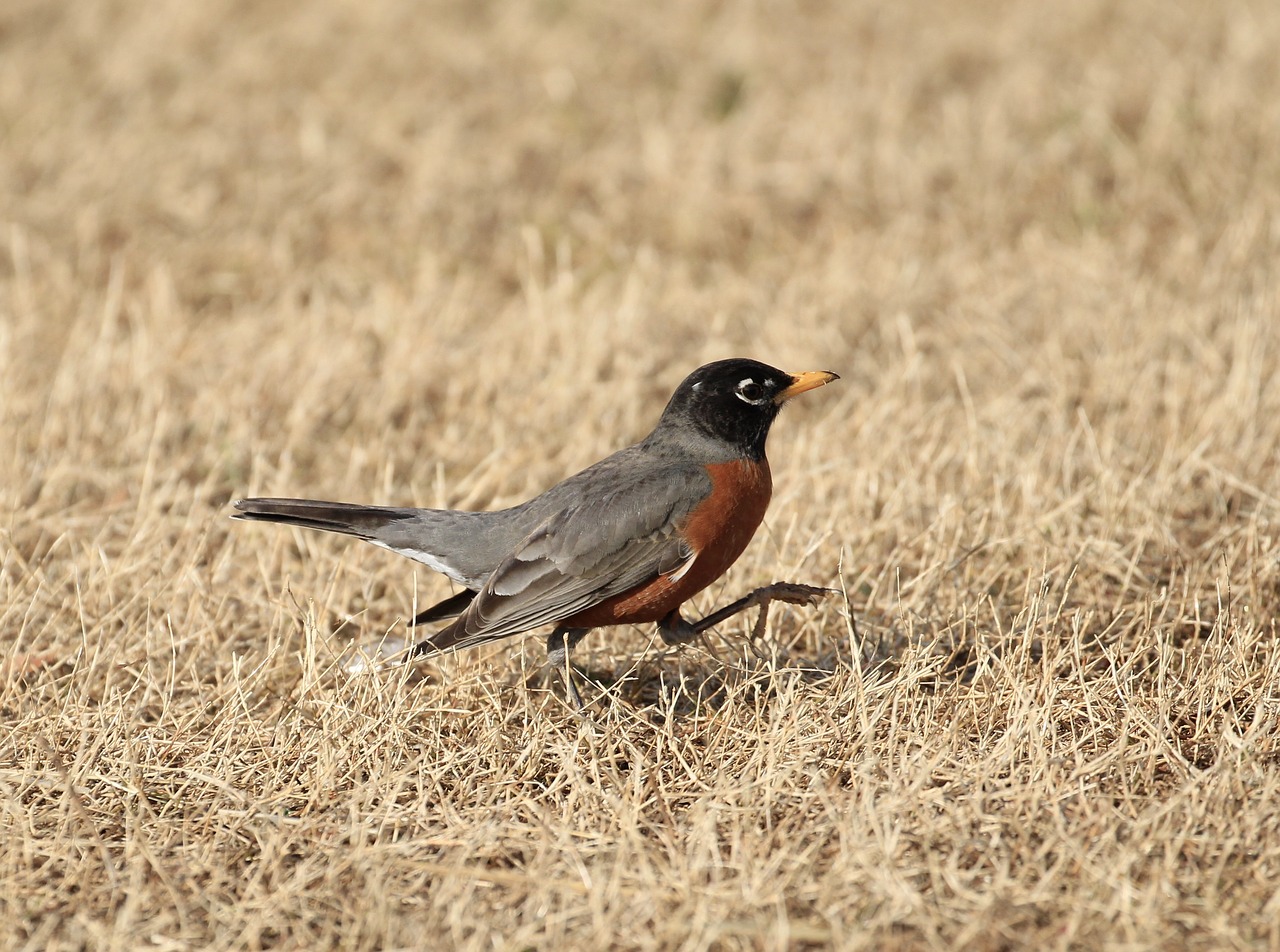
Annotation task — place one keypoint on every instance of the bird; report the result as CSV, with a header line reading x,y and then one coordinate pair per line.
x,y
625,541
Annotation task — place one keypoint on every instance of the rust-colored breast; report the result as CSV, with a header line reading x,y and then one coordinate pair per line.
x,y
718,530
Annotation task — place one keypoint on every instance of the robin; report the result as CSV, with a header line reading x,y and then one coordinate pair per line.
x,y
626,541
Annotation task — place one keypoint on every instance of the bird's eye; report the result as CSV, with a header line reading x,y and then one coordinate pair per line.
x,y
750,391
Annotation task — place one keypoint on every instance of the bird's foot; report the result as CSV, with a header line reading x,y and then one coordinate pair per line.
x,y
559,643
793,593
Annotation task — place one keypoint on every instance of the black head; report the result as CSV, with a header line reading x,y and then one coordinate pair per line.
x,y
736,401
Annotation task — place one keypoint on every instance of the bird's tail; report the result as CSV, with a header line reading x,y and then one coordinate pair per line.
x,y
461,545
347,518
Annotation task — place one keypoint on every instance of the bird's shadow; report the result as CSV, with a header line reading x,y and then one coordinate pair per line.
x,y
700,678
714,670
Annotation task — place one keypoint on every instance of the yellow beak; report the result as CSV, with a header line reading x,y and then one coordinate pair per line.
x,y
809,380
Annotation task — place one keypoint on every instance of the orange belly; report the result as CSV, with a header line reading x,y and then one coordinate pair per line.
x,y
718,530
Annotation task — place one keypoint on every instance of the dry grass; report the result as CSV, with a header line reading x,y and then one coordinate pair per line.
x,y
444,254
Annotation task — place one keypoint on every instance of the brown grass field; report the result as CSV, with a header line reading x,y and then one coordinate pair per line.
x,y
444,254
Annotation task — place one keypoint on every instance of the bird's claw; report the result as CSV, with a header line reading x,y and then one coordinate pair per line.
x,y
795,593
792,593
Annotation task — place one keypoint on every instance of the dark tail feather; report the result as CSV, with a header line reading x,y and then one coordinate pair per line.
x,y
347,518
452,636
451,607
444,639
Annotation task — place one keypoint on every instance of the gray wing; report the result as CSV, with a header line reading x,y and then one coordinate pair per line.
x,y
583,554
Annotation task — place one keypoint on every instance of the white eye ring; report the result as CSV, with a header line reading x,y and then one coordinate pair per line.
x,y
749,391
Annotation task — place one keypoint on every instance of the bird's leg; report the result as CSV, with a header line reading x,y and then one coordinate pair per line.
x,y
675,629
559,643
791,592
